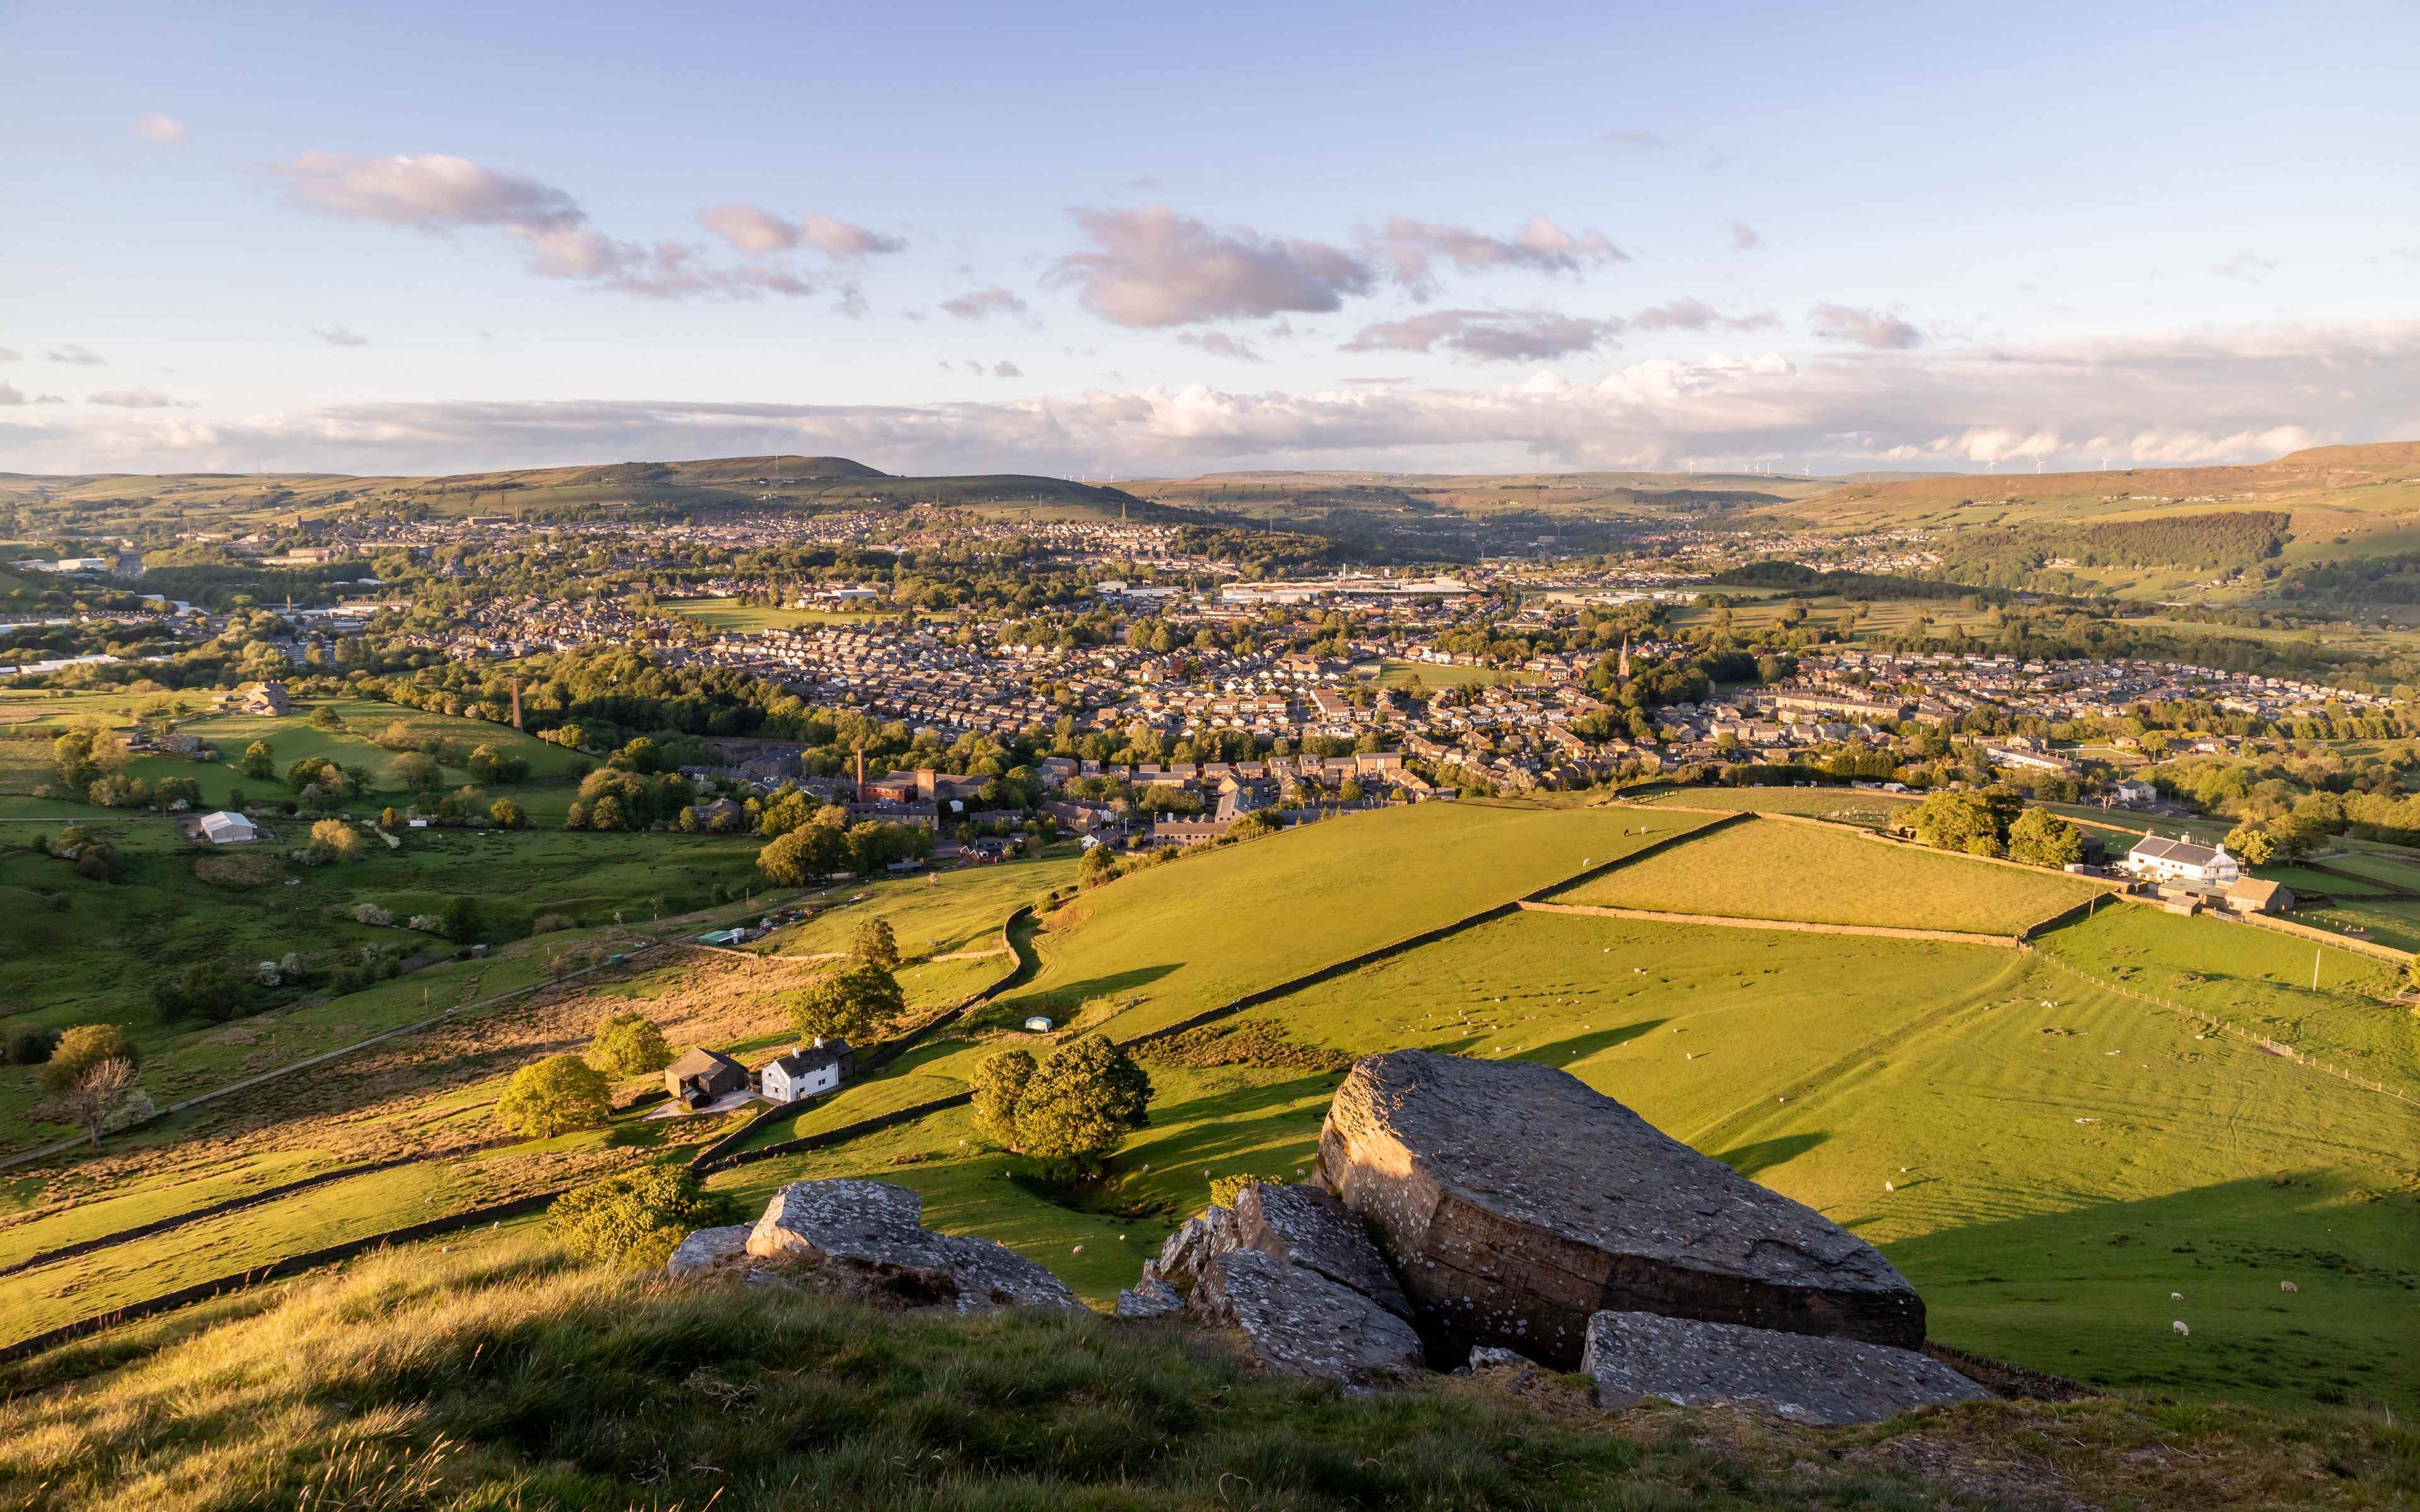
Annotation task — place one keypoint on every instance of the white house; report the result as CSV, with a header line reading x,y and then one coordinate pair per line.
x,y
2182,862
804,1071
2134,793
223,828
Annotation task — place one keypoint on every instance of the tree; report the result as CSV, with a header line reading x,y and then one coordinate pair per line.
x,y
326,717
606,813
507,814
335,840
803,854
629,1044
94,1096
1000,1081
1966,821
553,1096
1080,1102
2251,844
260,760
416,770
81,1046
875,944
2043,838
635,1218
848,1004
1097,866
460,920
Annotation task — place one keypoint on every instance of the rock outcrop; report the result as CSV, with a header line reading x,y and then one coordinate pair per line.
x,y
1300,1323
1516,1203
707,1248
877,1228
1150,1297
1795,1376
1304,1225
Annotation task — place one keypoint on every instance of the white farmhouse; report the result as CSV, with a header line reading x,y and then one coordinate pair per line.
x,y
2182,862
804,1071
224,829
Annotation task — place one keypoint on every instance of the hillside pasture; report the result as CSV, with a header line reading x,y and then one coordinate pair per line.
x,y
1866,808
1168,941
1771,869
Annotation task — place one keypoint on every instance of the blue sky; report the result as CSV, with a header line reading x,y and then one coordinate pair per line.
x,y
1125,239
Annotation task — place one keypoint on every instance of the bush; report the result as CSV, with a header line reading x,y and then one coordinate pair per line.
x,y
31,1046
372,914
82,1045
554,1096
635,1218
629,1044
1224,1190
550,923
335,840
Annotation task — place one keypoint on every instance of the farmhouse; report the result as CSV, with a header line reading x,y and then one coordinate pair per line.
x,y
2251,895
223,828
2181,861
804,1071
266,699
703,1075
2134,793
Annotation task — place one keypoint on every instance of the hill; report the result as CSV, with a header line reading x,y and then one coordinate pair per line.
x,y
493,1375
639,489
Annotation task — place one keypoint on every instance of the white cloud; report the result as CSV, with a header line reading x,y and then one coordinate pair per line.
x,y
1489,335
338,336
983,304
2248,266
153,127
757,232
1744,237
134,399
1153,267
1876,329
1697,315
2208,396
9,356
12,396
1219,344
76,355
438,194
1410,249
1005,369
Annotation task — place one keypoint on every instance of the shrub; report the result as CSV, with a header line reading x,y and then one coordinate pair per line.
x,y
1224,1190
635,1218
372,914
554,1096
30,1046
629,1044
82,1045
550,923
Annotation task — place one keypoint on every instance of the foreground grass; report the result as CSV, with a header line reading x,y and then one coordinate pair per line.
x,y
492,1377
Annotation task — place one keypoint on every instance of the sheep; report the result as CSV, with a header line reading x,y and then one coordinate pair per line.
x,y
2287,1286
2176,1296
2179,1326
1888,1187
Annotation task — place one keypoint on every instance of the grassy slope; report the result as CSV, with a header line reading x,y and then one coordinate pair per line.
x,y
495,1377
1845,805
1774,870
1153,947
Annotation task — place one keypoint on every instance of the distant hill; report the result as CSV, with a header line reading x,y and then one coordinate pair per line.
x,y
639,489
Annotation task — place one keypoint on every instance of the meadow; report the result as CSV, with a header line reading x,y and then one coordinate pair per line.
x,y
2046,1161
1168,941
754,619
1868,808
1771,869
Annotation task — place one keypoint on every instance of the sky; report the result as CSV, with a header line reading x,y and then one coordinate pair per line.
x,y
1119,240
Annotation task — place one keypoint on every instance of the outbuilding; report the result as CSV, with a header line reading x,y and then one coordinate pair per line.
x,y
224,829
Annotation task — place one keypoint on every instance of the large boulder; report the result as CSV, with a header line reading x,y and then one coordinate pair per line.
x,y
1150,1297
877,1228
1795,1376
1304,1225
1300,1323
1187,1250
1516,1202
706,1248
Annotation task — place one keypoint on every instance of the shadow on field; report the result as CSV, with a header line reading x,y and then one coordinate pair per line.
x,y
1071,992
1767,1153
2094,1292
1243,1099
1580,1046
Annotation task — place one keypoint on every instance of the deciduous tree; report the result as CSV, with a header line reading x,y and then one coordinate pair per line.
x,y
554,1096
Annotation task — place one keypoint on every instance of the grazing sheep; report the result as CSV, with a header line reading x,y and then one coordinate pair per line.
x,y
1888,1187
2176,1296
2287,1286
2179,1326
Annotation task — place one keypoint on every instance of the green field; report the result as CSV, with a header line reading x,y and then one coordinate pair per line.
x,y
2063,1157
1430,674
754,619
1171,940
1866,808
1773,868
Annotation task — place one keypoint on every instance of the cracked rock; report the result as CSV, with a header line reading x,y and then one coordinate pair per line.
x,y
1794,1376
